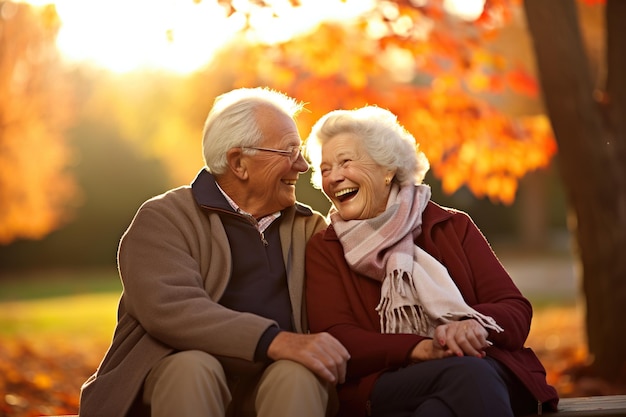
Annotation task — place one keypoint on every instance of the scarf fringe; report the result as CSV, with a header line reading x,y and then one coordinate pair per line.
x,y
485,321
400,314
407,319
397,314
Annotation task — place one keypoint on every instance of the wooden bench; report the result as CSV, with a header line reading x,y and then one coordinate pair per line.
x,y
605,406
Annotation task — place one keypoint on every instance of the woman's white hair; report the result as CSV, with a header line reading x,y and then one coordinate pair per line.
x,y
232,122
387,142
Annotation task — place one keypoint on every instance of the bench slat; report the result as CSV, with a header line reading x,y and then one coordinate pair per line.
x,y
606,406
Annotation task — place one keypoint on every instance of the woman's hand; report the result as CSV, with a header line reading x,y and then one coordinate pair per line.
x,y
427,350
459,338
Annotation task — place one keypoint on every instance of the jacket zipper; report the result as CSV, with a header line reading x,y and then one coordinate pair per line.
x,y
255,223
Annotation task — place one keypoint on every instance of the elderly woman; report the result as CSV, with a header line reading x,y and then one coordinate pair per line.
x,y
433,323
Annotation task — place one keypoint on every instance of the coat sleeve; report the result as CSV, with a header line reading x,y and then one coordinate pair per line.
x,y
168,261
343,304
484,283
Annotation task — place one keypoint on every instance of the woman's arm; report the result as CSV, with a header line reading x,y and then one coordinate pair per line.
x,y
343,304
487,286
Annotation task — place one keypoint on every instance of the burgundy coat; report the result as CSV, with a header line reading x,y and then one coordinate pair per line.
x,y
342,302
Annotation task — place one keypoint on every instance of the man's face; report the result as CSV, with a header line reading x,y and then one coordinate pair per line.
x,y
272,183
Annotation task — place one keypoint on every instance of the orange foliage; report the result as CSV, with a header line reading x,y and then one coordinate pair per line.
x,y
44,377
426,77
521,82
34,187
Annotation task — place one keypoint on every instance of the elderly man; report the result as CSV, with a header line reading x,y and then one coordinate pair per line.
x,y
211,320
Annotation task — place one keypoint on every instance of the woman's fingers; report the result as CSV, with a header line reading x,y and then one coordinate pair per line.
x,y
465,337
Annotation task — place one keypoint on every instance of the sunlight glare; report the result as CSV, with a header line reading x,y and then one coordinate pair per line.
x,y
465,9
292,21
125,35
179,36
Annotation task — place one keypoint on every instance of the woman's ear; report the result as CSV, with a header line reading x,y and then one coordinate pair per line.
x,y
390,174
237,163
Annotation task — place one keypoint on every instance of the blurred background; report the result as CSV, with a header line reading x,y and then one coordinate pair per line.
x,y
102,106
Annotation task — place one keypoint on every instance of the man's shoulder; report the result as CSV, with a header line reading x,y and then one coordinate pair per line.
x,y
182,193
302,209
177,199
304,215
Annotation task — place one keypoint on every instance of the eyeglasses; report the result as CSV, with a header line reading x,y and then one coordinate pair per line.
x,y
293,153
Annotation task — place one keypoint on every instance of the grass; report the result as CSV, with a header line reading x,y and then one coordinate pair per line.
x,y
55,327
40,305
89,315
37,284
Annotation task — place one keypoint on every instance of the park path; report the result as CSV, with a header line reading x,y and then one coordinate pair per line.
x,y
543,276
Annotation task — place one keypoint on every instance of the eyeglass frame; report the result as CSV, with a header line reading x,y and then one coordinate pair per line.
x,y
283,152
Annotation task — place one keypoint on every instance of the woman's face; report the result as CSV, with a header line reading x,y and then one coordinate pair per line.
x,y
352,180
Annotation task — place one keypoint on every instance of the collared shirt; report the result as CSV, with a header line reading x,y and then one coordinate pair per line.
x,y
261,224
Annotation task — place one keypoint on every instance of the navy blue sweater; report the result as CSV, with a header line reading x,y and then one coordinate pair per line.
x,y
258,283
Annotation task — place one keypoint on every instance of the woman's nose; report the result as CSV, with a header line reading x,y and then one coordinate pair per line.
x,y
335,174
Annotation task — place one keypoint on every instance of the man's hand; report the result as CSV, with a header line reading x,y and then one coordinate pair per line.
x,y
319,352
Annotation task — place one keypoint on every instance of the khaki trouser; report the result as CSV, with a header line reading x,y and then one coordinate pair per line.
x,y
193,383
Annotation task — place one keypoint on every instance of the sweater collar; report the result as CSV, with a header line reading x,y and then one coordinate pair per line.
x,y
205,191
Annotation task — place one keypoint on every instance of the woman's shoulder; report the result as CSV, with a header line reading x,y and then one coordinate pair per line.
x,y
437,213
324,236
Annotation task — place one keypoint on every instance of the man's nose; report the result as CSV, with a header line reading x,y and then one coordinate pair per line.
x,y
301,164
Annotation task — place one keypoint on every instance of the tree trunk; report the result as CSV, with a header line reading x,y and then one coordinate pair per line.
x,y
592,159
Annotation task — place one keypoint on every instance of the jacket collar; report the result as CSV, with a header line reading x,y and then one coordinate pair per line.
x,y
205,192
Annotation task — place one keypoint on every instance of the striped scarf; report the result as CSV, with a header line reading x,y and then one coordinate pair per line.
x,y
417,293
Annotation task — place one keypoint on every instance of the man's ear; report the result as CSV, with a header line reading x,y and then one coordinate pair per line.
x,y
237,163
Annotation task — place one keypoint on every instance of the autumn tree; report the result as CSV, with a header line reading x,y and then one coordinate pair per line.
x,y
429,67
34,184
589,122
